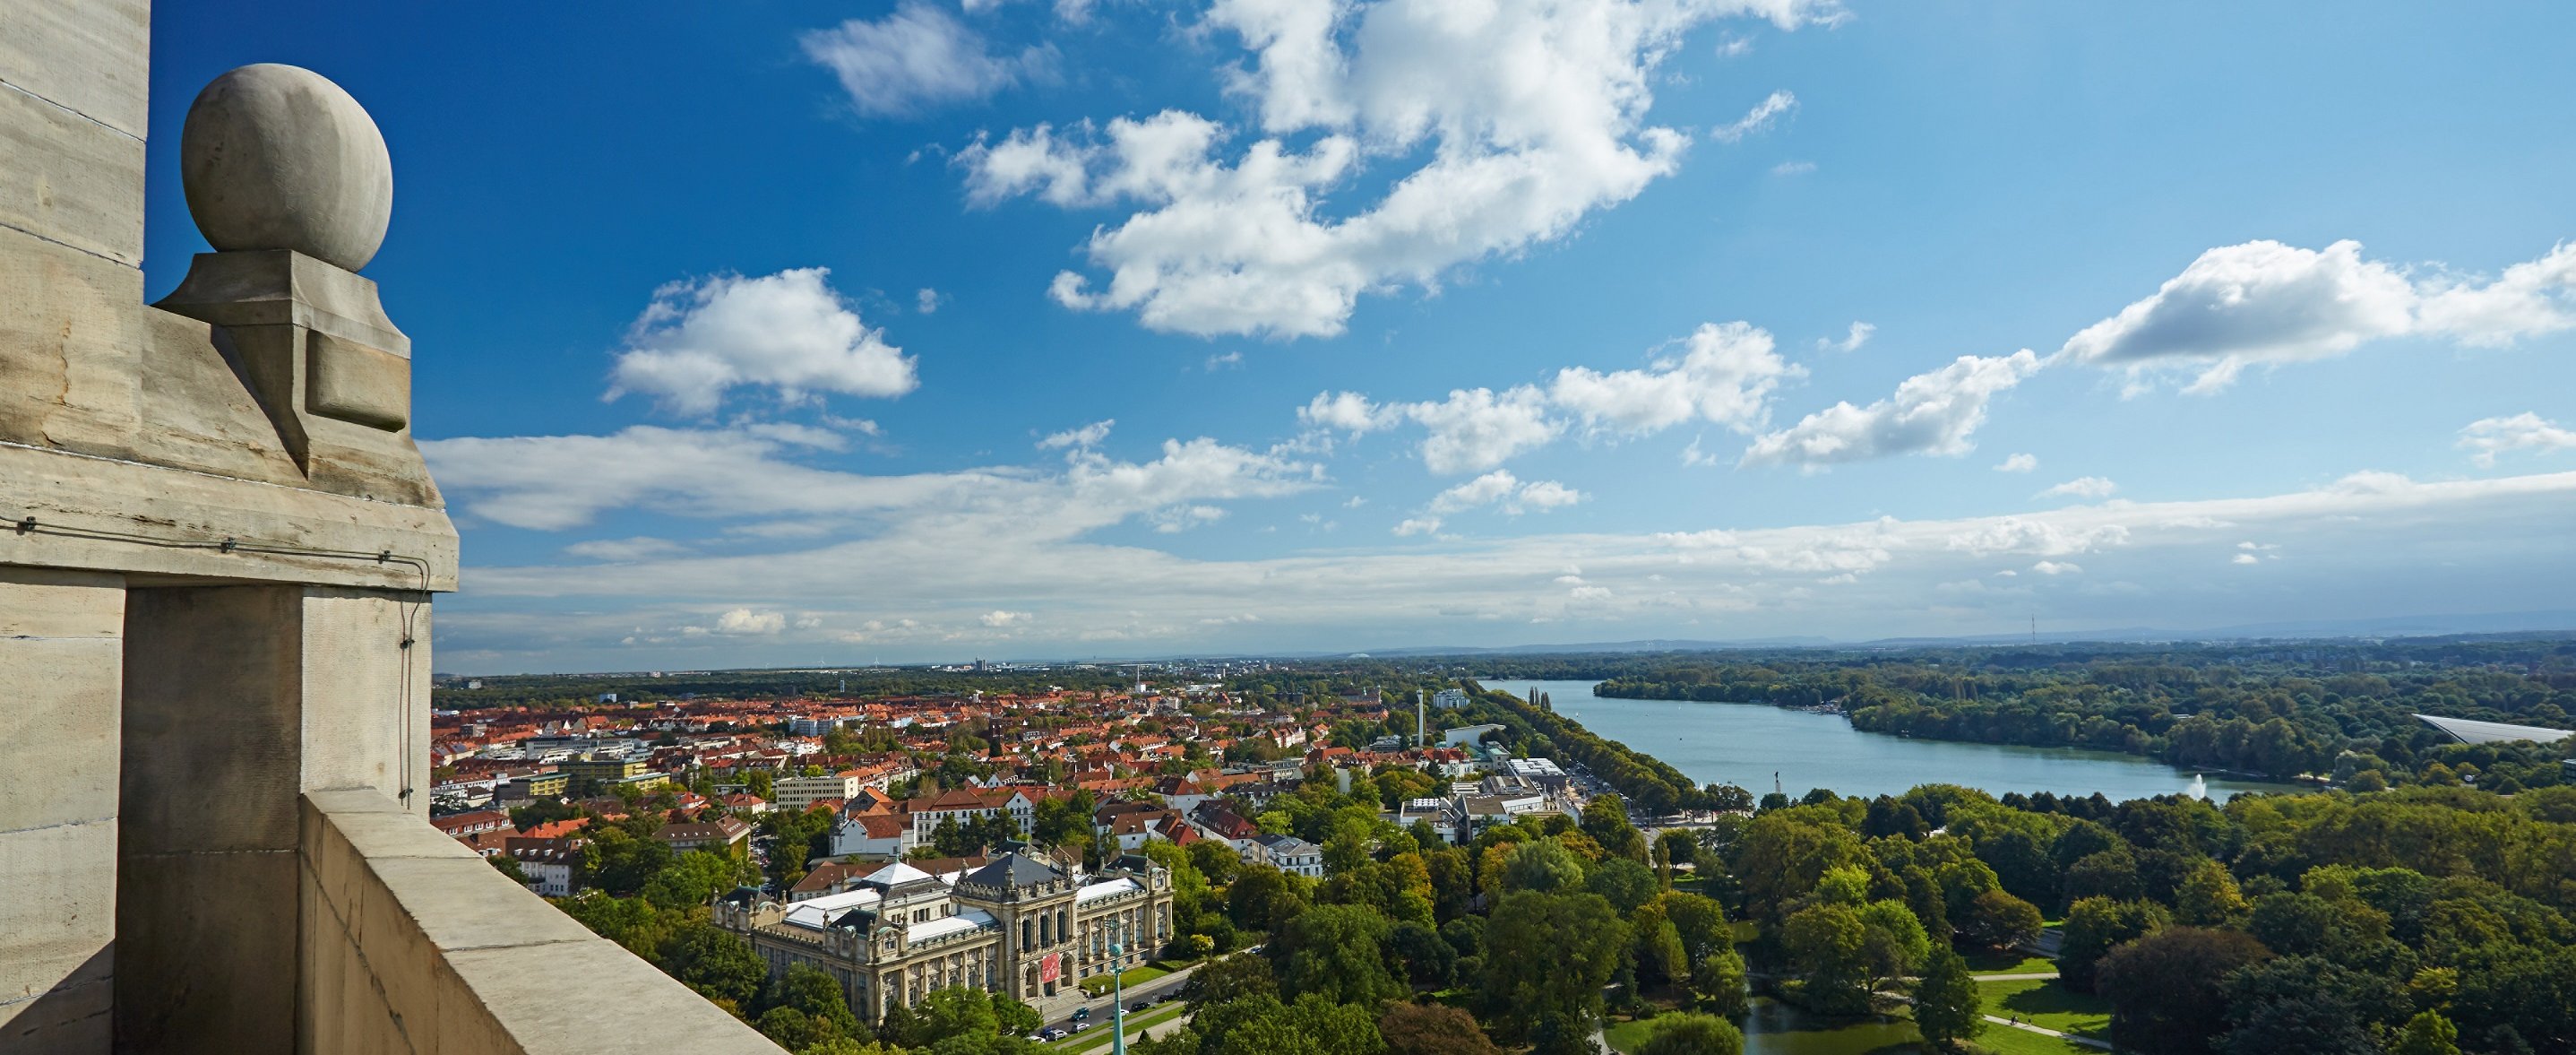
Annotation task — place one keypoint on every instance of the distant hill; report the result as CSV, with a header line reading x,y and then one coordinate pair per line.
x,y
2552,622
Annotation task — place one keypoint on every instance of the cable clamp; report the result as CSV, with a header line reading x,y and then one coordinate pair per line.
x,y
26,525
230,545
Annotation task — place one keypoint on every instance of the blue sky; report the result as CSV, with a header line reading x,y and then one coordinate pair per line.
x,y
771,333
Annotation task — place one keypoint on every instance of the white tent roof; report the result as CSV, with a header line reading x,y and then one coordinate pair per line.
x,y
2470,731
897,873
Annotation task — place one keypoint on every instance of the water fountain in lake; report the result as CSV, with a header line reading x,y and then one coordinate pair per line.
x,y
2199,787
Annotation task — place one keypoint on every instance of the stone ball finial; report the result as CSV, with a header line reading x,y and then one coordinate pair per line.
x,y
278,157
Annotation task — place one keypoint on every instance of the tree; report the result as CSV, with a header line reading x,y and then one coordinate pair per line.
x,y
1542,865
1337,952
1433,1029
2311,1004
1605,819
2093,926
2165,988
2428,1033
693,878
1345,851
1310,1026
1660,956
1895,945
1625,883
792,1029
621,862
808,990
1827,947
2112,873
2208,897
1720,977
847,1046
509,866
1254,901
1679,846
1215,861
955,1011
1784,852
718,964
1428,959
2308,1023
1548,955
1946,1004
1228,979
1999,920
1684,1033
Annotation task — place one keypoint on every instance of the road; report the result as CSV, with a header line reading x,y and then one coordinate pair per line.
x,y
1166,986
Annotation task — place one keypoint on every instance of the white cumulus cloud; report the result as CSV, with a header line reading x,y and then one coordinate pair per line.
x,y
789,332
1725,375
746,621
2093,487
917,57
2488,437
1476,428
2266,302
1083,438
1499,126
2018,463
1930,413
1722,373
1851,341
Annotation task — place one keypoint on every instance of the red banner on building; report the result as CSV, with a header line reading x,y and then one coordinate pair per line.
x,y
1051,968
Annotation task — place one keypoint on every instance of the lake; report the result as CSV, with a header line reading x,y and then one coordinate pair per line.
x,y
1746,743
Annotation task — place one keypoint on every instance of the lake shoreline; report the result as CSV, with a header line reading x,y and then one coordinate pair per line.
x,y
1763,747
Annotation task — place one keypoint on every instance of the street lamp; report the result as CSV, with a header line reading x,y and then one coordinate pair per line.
x,y
1118,994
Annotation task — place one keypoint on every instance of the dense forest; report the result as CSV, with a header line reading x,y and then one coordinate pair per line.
x,y
2418,919
2333,709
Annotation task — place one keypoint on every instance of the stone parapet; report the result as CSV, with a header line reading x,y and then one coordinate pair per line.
x,y
411,942
69,511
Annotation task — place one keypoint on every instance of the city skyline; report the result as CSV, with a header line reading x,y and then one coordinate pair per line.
x,y
922,332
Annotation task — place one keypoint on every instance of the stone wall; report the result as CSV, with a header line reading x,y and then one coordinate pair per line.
x,y
218,545
61,663
72,89
414,944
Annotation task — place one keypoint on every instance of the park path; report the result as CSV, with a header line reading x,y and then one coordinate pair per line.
x,y
2034,976
2047,1032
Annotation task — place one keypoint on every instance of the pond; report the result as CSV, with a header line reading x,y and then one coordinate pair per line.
x,y
1752,745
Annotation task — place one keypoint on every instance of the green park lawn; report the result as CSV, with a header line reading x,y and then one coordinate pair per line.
x,y
2008,961
2005,1040
2047,1004
1629,1036
1099,983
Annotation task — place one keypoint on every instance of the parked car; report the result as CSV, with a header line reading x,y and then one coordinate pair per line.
x,y
1140,1005
1080,1026
1055,1034
1081,1013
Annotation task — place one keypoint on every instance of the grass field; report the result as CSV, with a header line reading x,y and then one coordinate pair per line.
x,y
2005,1040
2009,961
1628,1036
1099,983
2045,1003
